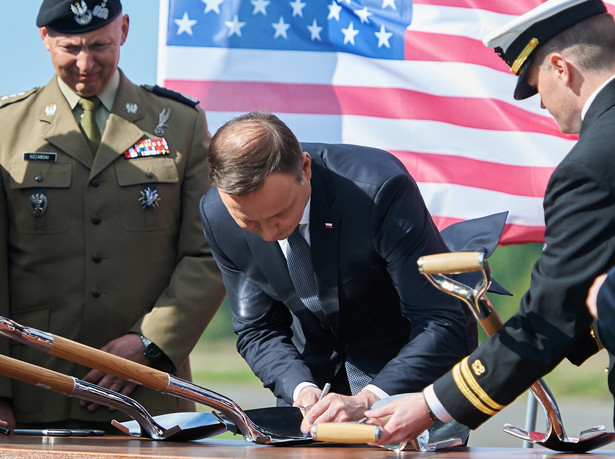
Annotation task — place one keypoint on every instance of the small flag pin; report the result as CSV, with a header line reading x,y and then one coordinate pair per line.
x,y
329,225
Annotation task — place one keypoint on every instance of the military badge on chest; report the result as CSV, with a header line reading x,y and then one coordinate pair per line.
x,y
149,197
38,202
148,147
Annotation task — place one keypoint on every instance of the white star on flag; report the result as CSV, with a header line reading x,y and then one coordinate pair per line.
x,y
297,6
364,15
234,26
280,28
383,37
185,24
315,31
390,3
212,5
349,34
334,10
260,6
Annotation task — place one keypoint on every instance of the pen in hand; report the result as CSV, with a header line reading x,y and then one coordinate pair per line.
x,y
325,391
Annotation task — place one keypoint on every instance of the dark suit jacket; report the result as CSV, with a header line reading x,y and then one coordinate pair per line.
x,y
382,314
553,322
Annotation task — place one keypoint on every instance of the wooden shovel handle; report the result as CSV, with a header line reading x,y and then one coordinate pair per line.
x,y
32,374
492,323
346,432
450,263
109,363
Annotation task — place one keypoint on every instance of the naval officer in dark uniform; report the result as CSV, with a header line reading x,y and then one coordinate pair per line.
x,y
564,50
101,241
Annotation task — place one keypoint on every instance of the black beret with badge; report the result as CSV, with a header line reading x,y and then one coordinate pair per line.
x,y
516,41
77,16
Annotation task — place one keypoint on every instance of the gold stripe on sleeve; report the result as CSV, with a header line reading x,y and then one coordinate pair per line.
x,y
475,387
460,381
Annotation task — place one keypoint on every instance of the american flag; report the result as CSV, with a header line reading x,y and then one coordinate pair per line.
x,y
409,76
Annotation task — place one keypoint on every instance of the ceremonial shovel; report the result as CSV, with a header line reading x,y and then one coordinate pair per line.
x,y
264,426
434,267
73,387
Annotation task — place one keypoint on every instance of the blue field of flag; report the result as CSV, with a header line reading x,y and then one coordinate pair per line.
x,y
372,28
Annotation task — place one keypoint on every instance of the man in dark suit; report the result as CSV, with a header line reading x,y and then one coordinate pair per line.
x,y
366,222
564,50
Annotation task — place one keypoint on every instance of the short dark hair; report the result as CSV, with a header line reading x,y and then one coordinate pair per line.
x,y
245,150
591,43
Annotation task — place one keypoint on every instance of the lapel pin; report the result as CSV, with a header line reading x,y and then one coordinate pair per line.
x,y
329,225
51,109
131,108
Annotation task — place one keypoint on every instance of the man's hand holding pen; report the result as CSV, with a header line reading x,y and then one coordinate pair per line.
x,y
338,408
309,396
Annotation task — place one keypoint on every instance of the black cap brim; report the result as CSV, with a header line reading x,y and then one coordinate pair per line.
x,y
524,90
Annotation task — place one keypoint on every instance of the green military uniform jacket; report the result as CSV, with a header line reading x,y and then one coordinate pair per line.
x,y
94,264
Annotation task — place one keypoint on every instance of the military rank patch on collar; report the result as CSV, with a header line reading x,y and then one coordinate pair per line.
x,y
148,147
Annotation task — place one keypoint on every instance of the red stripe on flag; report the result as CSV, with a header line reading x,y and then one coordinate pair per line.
x,y
388,103
512,7
512,234
504,178
426,46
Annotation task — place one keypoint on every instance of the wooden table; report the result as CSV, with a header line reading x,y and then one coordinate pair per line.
x,y
31,447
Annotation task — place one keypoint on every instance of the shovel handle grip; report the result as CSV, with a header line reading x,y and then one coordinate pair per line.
x,y
451,263
109,363
32,374
346,432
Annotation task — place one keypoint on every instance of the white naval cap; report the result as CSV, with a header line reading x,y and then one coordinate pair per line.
x,y
516,41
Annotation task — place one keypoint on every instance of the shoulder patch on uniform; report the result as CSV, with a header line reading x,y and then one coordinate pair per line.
x,y
12,98
178,96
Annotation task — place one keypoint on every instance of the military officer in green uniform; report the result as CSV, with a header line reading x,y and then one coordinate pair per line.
x,y
100,235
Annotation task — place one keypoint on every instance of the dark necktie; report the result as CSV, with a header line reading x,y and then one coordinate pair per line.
x,y
299,260
88,121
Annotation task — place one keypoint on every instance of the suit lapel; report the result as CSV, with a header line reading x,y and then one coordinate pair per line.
x,y
324,235
121,132
270,259
63,131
